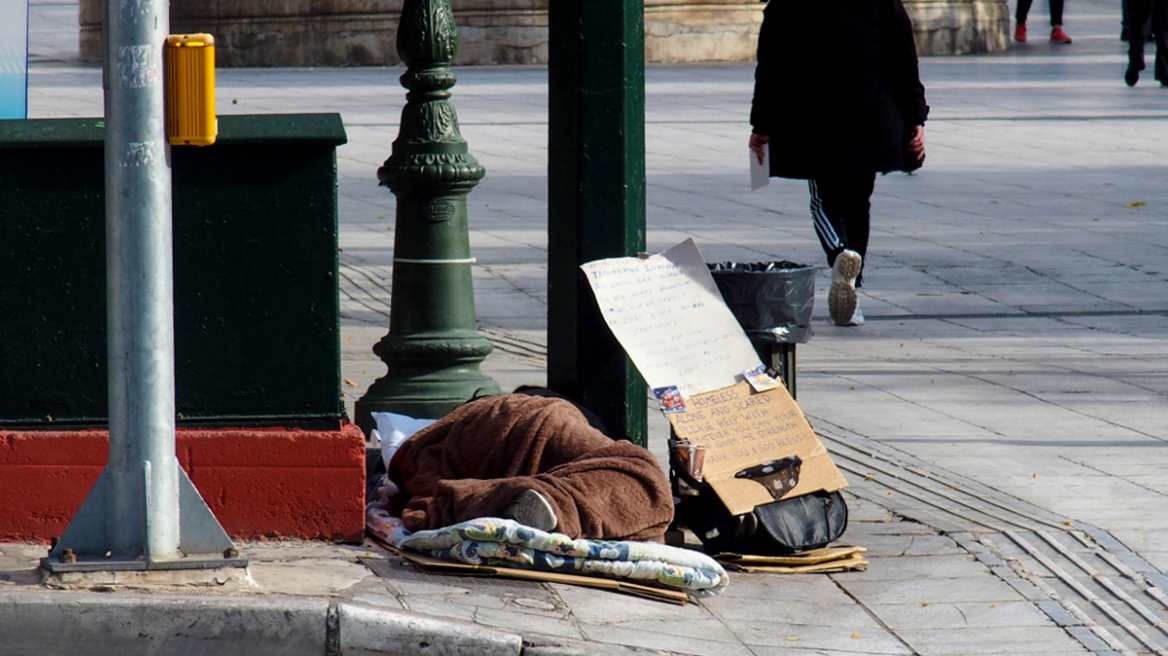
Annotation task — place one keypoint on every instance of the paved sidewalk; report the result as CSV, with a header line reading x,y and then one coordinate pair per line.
x,y
1002,418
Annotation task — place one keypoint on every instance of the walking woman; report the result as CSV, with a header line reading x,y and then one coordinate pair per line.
x,y
838,98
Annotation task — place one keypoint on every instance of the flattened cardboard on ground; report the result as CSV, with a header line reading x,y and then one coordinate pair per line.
x,y
430,565
853,562
741,428
809,557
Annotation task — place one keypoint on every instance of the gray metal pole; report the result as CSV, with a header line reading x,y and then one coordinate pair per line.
x,y
143,519
143,512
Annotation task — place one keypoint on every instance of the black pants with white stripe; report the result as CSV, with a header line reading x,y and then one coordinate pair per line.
x,y
840,206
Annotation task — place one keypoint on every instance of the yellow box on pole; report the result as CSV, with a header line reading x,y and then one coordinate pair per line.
x,y
190,90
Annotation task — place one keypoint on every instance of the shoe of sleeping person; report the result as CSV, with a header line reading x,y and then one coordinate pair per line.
x,y
841,297
1059,36
531,508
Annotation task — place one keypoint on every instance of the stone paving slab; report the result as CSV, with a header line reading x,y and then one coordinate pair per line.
x,y
910,545
984,588
970,642
960,616
764,589
640,637
798,613
780,636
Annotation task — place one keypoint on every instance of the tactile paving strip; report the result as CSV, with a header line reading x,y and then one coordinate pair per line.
x,y
1102,593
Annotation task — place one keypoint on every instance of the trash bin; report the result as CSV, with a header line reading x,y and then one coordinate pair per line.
x,y
773,302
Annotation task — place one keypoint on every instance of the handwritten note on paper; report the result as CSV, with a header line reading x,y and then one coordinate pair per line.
x,y
760,172
665,310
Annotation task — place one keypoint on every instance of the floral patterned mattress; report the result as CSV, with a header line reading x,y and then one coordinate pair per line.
x,y
505,543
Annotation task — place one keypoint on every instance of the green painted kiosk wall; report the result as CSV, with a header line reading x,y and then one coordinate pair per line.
x,y
257,332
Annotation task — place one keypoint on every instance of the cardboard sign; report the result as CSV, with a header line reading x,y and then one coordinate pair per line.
x,y
667,313
740,429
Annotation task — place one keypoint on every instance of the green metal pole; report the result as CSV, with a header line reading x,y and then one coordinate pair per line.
x,y
596,199
433,349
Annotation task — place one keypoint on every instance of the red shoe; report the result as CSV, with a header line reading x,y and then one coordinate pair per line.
x,y
1059,36
1020,32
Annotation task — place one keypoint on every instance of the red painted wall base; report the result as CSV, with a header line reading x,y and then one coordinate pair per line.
x,y
259,482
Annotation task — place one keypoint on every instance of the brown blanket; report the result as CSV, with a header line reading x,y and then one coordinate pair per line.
x,y
473,462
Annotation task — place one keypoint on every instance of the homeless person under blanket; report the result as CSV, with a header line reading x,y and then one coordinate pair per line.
x,y
503,542
479,458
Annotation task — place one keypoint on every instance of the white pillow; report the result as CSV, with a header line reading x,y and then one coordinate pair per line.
x,y
393,429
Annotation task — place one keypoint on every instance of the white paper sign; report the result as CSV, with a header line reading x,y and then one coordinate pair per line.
x,y
667,313
760,174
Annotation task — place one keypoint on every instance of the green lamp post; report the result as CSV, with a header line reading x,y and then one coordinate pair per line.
x,y
433,349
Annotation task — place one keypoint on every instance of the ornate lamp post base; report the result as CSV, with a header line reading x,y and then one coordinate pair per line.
x,y
427,377
433,348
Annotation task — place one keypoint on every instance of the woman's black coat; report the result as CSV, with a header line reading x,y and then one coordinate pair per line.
x,y
836,89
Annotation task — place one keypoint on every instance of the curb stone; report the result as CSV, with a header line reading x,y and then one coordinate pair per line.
x,y
367,630
38,623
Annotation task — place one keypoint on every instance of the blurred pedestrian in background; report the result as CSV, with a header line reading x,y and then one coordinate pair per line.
x,y
1057,35
838,98
1146,27
1137,15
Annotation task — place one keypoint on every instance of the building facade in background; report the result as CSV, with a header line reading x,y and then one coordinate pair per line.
x,y
363,32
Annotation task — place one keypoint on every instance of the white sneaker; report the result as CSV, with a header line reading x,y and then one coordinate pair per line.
x,y
531,508
857,316
842,302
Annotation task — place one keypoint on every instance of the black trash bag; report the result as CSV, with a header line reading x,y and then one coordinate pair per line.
x,y
772,300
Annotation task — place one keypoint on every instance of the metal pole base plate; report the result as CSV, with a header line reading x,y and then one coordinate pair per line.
x,y
88,535
109,565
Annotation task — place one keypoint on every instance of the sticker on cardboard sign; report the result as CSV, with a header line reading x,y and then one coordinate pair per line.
x,y
759,379
670,399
